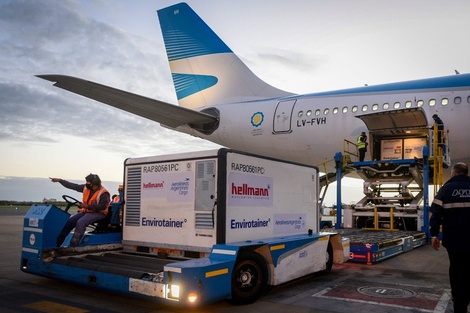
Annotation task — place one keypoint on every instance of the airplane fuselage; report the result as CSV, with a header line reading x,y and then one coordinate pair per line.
x,y
311,128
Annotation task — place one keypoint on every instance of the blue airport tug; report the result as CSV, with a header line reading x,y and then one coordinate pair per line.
x,y
43,223
197,228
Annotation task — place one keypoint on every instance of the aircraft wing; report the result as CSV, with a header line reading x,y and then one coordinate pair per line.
x,y
165,113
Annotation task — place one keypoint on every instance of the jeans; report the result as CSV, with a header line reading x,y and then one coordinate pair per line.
x,y
79,221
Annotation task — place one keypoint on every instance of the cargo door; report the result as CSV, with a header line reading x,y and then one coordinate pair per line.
x,y
397,134
406,121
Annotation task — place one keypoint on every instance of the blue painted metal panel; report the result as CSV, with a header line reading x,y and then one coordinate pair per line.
x,y
106,281
288,242
210,278
42,224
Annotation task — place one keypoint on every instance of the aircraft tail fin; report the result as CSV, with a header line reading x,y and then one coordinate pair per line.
x,y
205,71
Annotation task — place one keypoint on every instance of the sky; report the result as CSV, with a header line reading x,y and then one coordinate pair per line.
x,y
300,46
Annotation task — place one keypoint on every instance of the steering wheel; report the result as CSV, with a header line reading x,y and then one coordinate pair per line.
x,y
70,202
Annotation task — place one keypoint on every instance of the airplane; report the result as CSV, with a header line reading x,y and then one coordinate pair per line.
x,y
221,100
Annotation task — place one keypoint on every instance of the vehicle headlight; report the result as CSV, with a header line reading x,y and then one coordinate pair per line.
x,y
173,292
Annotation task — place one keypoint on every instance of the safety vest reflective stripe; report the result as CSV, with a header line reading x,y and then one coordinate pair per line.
x,y
437,201
457,205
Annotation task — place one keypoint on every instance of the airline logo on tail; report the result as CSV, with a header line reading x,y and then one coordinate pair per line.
x,y
188,84
205,71
187,36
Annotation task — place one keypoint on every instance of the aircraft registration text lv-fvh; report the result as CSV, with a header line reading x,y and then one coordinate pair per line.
x,y
221,100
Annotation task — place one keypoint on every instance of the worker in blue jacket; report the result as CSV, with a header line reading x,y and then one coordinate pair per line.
x,y
451,209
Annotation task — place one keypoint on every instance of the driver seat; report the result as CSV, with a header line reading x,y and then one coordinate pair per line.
x,y
111,222
101,226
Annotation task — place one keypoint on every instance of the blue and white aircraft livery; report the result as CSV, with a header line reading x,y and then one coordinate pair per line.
x,y
221,100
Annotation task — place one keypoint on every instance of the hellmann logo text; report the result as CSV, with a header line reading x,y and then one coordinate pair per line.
x,y
246,190
153,185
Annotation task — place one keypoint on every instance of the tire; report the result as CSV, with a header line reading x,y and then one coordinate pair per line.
x,y
329,261
249,278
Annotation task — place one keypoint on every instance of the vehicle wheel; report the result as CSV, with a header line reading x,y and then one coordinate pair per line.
x,y
329,261
249,278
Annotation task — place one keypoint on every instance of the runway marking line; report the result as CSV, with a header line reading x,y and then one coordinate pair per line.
x,y
53,307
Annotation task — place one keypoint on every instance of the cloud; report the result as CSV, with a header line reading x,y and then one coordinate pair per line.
x,y
45,37
44,129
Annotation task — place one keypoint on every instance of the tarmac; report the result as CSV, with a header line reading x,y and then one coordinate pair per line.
x,y
415,281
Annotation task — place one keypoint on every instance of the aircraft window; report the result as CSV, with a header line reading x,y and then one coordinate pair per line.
x,y
375,107
420,103
309,112
457,100
354,108
445,101
345,110
326,111
364,108
301,113
468,99
408,104
335,110
396,105
432,102
386,106
317,112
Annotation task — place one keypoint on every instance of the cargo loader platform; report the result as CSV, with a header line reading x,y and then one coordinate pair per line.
x,y
371,246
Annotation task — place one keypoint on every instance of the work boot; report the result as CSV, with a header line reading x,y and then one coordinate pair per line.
x,y
75,239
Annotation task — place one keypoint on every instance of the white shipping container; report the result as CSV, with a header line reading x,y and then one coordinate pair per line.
x,y
195,200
